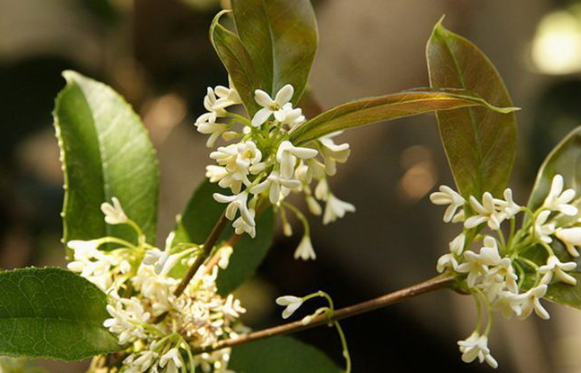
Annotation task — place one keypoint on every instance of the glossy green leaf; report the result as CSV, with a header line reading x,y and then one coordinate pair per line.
x,y
106,153
384,108
237,61
565,294
281,38
197,222
52,313
480,144
280,355
565,159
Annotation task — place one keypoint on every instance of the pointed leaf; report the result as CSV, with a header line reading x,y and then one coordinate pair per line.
x,y
281,38
480,144
106,153
237,61
384,108
280,355
52,313
197,222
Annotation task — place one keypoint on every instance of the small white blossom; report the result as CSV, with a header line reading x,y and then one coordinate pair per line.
x,y
542,229
291,302
476,346
305,249
289,116
447,196
476,265
287,155
507,206
447,261
457,244
227,96
309,318
530,301
157,258
571,237
237,202
336,208
313,206
508,304
274,183
225,254
114,213
558,200
241,225
238,161
128,320
333,153
555,267
142,363
206,126
485,213
270,106
172,359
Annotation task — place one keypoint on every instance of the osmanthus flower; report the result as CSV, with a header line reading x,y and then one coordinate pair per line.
x,y
555,267
173,360
531,301
287,155
476,265
571,237
228,96
237,202
274,184
291,303
476,346
305,249
486,212
129,319
447,196
507,207
333,153
270,106
114,213
139,363
289,116
508,304
336,208
543,230
558,200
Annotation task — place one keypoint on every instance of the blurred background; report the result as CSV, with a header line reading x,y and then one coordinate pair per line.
x,y
157,54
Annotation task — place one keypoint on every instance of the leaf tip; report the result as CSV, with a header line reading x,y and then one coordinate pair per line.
x,y
439,26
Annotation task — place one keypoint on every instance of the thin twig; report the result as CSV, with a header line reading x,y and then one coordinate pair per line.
x,y
433,284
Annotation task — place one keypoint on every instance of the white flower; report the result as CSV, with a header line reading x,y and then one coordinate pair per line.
x,y
237,202
211,104
322,190
242,226
571,237
508,303
292,303
502,273
157,258
305,249
208,126
172,359
485,213
238,161
225,254
142,363
507,206
476,346
541,230
457,244
447,261
557,200
114,213
128,320
313,206
270,106
476,265
555,267
335,208
333,153
227,96
530,301
447,196
307,319
274,183
287,155
289,116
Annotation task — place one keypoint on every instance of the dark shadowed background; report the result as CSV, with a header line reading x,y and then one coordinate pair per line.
x,y
157,54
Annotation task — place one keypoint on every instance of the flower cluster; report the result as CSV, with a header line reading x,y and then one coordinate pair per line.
x,y
159,328
264,165
504,273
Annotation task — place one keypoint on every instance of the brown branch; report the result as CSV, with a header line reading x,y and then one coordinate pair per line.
x,y
433,284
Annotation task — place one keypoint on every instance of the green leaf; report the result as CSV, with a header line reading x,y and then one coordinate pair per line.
x,y
565,294
384,108
564,159
237,61
281,38
52,313
480,144
196,223
280,355
106,153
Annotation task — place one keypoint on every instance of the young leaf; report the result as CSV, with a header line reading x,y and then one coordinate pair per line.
x,y
52,313
480,144
281,38
197,222
106,153
564,159
237,61
280,355
384,108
